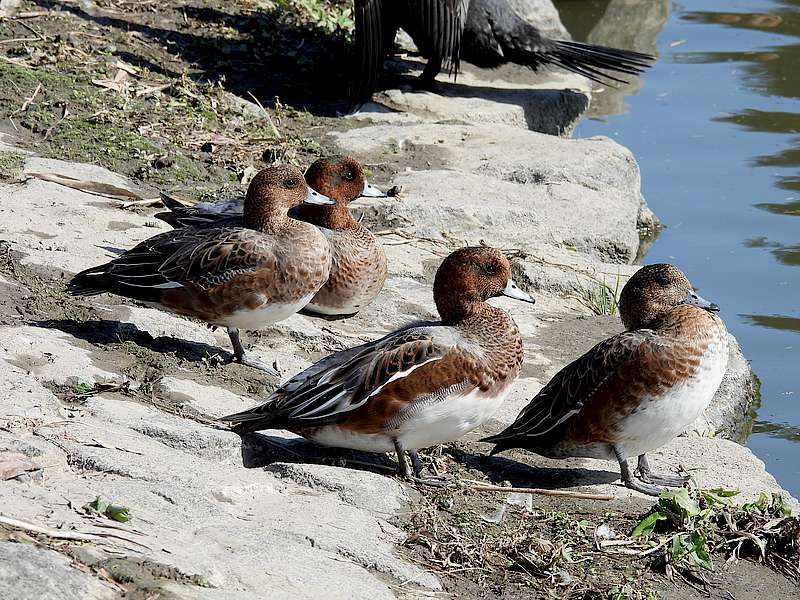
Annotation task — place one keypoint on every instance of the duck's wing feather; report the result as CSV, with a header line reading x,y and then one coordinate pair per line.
x,y
337,385
182,215
575,386
206,258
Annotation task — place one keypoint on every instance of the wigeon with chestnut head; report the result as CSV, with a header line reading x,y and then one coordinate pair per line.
x,y
426,384
635,391
245,277
359,263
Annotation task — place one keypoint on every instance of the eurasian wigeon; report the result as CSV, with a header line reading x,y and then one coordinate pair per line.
x,y
425,384
358,268
635,391
238,277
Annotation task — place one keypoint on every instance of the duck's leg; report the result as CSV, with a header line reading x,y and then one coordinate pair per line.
x,y
240,357
402,463
417,467
632,482
645,474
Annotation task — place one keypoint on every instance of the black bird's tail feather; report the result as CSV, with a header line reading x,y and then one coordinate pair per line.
x,y
593,61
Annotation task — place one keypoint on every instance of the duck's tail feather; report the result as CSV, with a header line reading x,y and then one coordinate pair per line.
x,y
90,282
251,420
502,443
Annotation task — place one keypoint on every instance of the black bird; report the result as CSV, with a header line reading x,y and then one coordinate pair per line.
x,y
486,32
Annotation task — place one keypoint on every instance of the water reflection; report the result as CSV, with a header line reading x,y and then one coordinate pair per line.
x,y
773,122
782,21
630,24
786,254
782,431
783,208
774,322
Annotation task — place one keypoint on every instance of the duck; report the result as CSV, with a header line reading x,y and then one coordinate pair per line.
x,y
346,169
359,265
238,277
635,391
488,33
425,384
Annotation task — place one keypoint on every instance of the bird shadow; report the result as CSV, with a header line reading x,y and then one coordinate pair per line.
x,y
499,469
107,331
545,110
260,450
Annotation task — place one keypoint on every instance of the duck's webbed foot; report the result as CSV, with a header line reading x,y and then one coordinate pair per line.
x,y
635,483
241,357
645,474
415,474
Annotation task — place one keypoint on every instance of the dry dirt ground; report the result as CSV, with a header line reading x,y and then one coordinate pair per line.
x,y
189,97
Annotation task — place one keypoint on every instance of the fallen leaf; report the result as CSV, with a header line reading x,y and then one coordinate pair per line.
x,y
106,508
14,464
92,187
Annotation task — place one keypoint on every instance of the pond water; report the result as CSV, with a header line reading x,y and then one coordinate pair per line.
x,y
715,127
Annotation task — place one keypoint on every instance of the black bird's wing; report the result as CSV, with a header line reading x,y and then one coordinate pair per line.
x,y
436,27
495,34
376,24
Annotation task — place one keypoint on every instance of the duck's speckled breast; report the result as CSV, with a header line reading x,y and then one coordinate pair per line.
x,y
358,271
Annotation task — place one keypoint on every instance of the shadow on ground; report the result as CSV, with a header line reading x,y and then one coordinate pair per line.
x,y
267,53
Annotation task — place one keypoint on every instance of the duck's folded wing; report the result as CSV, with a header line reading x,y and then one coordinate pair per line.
x,y
572,388
331,389
205,214
206,258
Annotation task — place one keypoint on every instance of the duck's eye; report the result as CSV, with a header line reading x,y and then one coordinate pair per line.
x,y
489,268
662,280
349,175
290,183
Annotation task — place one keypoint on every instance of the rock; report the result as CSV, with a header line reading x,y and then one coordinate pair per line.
x,y
51,356
30,573
712,462
59,227
206,399
548,102
530,183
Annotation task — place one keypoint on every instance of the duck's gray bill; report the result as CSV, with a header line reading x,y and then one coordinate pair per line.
x,y
370,191
512,291
314,197
694,300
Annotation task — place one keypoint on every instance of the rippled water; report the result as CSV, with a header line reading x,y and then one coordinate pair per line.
x,y
715,126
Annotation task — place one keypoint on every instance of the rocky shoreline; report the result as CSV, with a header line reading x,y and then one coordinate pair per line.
x,y
116,400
